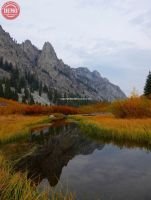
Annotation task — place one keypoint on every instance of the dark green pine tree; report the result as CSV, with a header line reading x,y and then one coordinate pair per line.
x,y
1,90
24,99
45,89
40,89
14,95
31,100
50,96
7,93
26,93
147,88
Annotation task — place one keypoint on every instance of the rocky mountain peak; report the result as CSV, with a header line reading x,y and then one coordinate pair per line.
x,y
28,43
48,57
49,50
4,36
96,74
83,70
31,51
1,29
53,73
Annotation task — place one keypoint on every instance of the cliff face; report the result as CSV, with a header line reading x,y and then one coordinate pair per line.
x,y
52,72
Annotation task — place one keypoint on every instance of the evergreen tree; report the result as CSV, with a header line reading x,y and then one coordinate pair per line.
x,y
45,89
55,96
147,88
24,99
40,89
50,97
1,62
7,93
1,90
26,92
22,82
31,100
14,95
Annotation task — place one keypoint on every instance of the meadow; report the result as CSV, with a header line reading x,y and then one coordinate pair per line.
x,y
13,127
16,122
14,131
9,107
129,120
133,132
125,123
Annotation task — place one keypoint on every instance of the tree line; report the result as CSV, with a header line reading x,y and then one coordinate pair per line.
x,y
21,87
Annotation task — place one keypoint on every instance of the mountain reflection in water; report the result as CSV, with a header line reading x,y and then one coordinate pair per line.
x,y
57,145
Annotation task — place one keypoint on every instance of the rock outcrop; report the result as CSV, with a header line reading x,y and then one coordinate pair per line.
x,y
52,72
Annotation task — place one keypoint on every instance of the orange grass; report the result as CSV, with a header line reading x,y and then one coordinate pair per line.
x,y
94,108
131,129
13,107
16,186
134,107
110,122
12,126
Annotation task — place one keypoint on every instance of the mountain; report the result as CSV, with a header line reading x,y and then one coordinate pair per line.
x,y
41,77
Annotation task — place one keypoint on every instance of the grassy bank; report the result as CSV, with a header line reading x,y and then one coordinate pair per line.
x,y
14,127
119,131
16,186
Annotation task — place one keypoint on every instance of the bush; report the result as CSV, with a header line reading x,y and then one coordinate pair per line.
x,y
94,108
132,108
13,107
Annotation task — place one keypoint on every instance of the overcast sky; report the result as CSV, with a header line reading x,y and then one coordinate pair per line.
x,y
111,36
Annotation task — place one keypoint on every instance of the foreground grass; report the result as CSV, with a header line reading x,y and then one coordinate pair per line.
x,y
118,130
13,127
16,186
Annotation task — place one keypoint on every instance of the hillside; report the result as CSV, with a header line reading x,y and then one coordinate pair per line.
x,y
31,75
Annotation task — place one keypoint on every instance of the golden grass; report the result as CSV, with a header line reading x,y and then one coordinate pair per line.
x,y
134,107
16,186
94,108
138,130
12,126
129,125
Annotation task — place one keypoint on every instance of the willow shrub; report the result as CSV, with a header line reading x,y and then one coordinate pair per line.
x,y
138,107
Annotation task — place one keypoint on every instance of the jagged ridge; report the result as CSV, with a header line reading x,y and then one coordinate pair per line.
x,y
53,73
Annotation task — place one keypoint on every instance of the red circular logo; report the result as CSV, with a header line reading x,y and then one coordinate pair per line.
x,y
10,10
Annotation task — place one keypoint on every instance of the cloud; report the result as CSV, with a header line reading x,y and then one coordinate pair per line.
x,y
111,36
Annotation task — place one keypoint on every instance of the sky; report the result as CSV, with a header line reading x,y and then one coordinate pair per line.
x,y
111,36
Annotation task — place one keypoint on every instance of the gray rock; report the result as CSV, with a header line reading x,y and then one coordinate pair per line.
x,y
51,71
31,51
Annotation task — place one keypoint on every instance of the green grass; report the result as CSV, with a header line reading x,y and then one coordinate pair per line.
x,y
16,186
14,128
121,132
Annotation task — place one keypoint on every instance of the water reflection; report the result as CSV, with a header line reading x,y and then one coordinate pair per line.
x,y
57,145
92,169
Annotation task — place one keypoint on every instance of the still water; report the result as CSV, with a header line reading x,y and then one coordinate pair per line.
x,y
66,159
